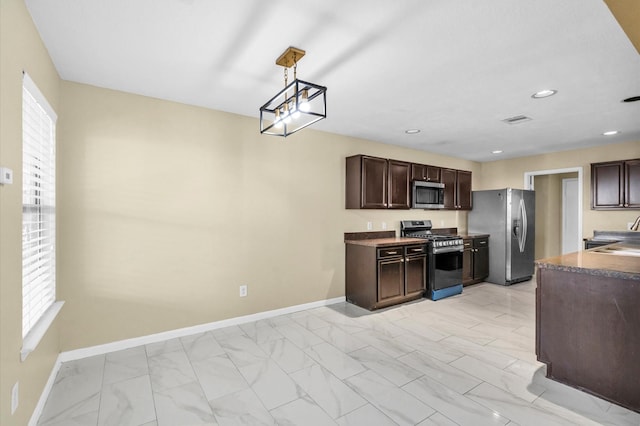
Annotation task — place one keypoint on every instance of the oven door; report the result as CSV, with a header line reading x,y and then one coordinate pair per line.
x,y
445,269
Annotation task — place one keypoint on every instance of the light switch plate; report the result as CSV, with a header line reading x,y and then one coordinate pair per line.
x,y
6,176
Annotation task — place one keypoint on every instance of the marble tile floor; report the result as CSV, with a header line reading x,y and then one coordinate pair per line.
x,y
464,360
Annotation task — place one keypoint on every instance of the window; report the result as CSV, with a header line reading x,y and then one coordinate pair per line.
x,y
38,212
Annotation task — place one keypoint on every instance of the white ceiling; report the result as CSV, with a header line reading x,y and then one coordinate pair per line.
x,y
453,69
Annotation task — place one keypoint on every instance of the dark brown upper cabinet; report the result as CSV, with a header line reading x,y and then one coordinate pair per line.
x,y
376,183
425,173
615,185
457,189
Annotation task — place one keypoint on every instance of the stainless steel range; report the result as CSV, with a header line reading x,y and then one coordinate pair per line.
x,y
444,257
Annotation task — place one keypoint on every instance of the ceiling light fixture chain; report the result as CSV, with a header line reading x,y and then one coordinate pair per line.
x,y
295,67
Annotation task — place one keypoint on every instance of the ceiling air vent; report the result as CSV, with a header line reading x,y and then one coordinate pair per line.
x,y
517,119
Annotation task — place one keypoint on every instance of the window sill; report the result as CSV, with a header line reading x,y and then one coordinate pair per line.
x,y
32,339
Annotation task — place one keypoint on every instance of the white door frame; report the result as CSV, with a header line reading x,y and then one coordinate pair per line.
x,y
528,184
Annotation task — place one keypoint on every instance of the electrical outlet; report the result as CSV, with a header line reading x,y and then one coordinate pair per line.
x,y
369,226
384,225
14,398
6,176
243,291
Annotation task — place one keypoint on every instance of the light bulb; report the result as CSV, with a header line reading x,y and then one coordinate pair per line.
x,y
277,122
295,113
286,115
304,101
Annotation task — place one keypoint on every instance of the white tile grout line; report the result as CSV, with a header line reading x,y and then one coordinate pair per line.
x,y
159,337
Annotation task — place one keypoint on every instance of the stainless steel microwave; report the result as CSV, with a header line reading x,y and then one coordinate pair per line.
x,y
427,195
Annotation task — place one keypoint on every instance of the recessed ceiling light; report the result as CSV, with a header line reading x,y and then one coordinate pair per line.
x,y
412,131
544,93
497,151
611,133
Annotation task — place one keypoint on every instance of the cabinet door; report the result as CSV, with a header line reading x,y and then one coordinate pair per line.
x,y
481,263
398,185
448,177
418,172
632,183
374,183
433,173
463,190
425,173
607,188
390,279
415,274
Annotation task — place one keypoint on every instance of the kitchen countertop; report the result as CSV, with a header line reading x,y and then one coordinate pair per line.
x,y
472,235
594,263
386,242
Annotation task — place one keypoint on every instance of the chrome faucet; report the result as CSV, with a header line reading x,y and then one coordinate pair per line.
x,y
636,224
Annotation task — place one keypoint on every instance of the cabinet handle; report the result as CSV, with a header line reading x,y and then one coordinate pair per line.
x,y
392,252
401,260
416,249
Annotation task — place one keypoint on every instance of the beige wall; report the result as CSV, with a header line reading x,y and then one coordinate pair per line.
x,y
549,214
510,173
20,49
166,209
149,197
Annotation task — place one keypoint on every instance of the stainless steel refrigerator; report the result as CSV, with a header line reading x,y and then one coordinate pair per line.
x,y
508,216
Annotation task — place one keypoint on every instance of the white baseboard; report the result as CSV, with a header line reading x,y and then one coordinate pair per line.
x,y
37,412
159,337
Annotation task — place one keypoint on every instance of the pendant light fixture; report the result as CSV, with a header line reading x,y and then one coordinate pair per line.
x,y
295,107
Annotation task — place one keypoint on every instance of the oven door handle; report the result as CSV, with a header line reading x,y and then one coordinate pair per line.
x,y
448,250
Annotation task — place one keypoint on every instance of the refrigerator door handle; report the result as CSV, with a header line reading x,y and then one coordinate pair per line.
x,y
522,237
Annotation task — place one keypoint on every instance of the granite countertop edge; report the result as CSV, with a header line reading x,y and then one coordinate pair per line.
x,y
472,235
609,273
595,262
386,242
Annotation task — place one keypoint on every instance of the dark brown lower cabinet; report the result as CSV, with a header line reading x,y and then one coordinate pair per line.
x,y
475,260
390,279
587,331
377,277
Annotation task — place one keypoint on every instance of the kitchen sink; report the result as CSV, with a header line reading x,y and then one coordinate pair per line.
x,y
620,251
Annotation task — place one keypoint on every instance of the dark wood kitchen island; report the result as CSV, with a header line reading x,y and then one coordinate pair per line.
x,y
588,321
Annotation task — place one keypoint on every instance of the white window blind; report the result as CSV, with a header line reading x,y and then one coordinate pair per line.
x,y
38,205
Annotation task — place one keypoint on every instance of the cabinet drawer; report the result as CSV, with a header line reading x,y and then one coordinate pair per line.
x,y
480,242
415,250
467,243
387,252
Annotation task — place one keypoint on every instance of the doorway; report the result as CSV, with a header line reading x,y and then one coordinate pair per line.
x,y
551,223
570,207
